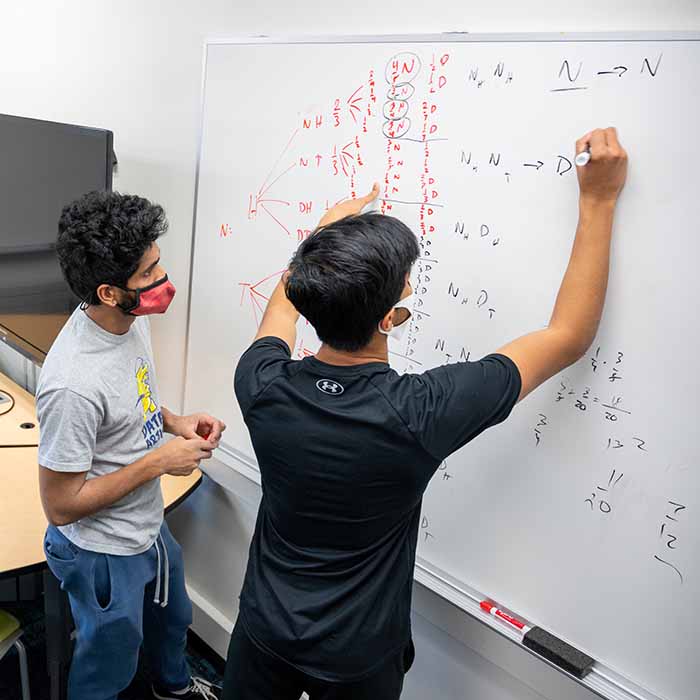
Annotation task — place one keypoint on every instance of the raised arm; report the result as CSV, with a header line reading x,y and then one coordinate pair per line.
x,y
579,305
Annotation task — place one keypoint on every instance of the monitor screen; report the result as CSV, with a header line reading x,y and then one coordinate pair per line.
x,y
44,166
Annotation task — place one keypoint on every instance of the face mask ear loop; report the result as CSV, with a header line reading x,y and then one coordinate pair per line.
x,y
135,305
406,303
129,308
400,304
84,303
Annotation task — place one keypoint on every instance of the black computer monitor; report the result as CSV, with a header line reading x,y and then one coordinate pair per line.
x,y
43,166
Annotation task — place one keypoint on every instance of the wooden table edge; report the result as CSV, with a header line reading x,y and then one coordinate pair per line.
x,y
36,567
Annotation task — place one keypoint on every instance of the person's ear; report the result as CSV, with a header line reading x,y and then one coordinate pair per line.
x,y
108,295
387,323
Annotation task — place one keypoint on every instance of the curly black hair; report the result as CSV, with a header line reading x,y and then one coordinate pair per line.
x,y
102,237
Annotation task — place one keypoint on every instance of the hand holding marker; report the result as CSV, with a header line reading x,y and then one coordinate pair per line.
x,y
606,137
601,167
583,157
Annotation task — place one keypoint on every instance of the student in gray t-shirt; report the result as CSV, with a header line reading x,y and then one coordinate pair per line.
x,y
102,453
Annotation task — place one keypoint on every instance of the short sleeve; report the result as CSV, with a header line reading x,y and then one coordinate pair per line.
x,y
68,425
260,364
453,404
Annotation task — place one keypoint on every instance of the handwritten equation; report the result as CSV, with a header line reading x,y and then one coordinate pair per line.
x,y
392,124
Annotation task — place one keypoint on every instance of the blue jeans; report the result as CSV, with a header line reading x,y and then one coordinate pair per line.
x,y
112,601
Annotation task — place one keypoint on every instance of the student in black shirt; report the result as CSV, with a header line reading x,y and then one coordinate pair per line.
x,y
346,446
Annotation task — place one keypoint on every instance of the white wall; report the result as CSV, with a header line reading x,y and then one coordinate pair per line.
x,y
134,66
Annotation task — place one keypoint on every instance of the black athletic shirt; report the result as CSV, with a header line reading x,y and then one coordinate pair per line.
x,y
345,455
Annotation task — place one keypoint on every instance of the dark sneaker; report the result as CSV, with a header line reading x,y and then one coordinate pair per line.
x,y
198,689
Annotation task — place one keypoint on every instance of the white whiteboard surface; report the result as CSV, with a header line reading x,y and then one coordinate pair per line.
x,y
579,513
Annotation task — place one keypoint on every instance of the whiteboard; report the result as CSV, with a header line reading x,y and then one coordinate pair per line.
x,y
580,512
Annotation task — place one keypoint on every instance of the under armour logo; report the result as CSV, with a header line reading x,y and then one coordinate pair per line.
x,y
328,386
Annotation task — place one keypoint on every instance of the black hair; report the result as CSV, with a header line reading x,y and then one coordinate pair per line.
x,y
347,276
102,237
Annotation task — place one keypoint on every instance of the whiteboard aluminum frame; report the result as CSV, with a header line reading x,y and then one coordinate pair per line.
x,y
443,37
602,680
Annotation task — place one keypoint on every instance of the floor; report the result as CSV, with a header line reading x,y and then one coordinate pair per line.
x,y
202,661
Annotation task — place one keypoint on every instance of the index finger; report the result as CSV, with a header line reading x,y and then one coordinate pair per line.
x,y
611,136
374,193
583,144
216,430
598,143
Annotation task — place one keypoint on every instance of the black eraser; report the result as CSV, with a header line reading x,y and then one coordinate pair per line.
x,y
558,652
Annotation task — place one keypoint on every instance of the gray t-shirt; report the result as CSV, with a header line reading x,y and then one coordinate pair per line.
x,y
97,403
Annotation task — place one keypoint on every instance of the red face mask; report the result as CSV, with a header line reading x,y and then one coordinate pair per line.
x,y
154,299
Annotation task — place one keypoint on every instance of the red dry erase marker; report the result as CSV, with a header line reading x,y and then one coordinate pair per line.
x,y
491,609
